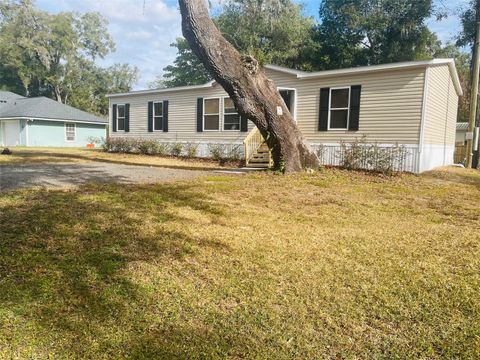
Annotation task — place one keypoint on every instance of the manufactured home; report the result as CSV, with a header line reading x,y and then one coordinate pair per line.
x,y
412,104
39,121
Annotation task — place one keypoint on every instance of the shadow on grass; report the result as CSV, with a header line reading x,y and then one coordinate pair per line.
x,y
55,175
58,157
64,258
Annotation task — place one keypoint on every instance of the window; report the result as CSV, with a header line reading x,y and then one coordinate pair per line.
x,y
231,118
211,114
120,117
339,110
70,132
288,96
157,116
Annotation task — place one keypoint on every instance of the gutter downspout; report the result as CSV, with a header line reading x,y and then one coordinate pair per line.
x,y
422,120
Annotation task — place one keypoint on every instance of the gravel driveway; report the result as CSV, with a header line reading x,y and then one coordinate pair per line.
x,y
63,175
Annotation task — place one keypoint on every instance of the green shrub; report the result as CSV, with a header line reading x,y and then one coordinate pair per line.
x,y
359,154
321,151
387,159
119,145
176,149
96,140
217,151
162,149
234,153
147,147
191,150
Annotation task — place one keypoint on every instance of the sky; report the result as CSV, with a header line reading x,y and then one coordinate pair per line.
x,y
143,30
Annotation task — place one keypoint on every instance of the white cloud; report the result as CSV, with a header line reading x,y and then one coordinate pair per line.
x,y
142,31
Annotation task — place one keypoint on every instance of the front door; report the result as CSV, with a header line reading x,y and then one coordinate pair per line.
x,y
11,133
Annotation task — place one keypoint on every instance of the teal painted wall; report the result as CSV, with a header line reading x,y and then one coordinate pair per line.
x,y
22,135
52,133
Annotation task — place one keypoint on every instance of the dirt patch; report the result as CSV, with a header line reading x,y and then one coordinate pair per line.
x,y
64,175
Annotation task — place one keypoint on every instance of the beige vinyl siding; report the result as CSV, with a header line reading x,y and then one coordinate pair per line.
x,y
390,109
452,114
390,105
182,116
441,107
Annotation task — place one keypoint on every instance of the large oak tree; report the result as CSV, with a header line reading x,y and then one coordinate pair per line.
x,y
244,79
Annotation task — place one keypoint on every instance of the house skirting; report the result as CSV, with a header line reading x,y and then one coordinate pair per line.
x,y
433,156
414,160
330,154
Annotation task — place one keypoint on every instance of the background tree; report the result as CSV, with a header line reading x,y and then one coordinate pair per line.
x,y
54,55
466,36
93,83
369,32
272,31
187,69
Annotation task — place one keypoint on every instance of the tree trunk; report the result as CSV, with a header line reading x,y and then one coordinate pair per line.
x,y
244,79
58,94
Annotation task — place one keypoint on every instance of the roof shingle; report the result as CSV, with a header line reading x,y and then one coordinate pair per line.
x,y
42,108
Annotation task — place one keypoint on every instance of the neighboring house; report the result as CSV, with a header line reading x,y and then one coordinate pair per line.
x,y
411,103
39,121
461,143
460,135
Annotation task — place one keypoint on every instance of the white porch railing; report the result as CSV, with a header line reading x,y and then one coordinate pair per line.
x,y
251,143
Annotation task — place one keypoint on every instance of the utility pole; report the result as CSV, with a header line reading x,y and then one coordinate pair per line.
x,y
474,96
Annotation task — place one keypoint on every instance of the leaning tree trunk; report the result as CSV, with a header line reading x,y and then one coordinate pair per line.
x,y
255,96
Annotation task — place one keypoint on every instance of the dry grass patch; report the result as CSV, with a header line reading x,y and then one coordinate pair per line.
x,y
43,155
331,265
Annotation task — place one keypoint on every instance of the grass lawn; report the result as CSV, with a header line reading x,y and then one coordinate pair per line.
x,y
329,265
31,155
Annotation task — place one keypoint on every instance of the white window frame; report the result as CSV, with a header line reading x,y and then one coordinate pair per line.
x,y
294,113
157,102
74,131
220,122
347,108
224,113
117,117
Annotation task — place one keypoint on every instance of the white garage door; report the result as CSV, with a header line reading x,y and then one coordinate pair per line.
x,y
11,133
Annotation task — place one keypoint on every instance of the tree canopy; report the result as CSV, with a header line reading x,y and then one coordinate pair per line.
x,y
187,69
349,33
369,32
54,55
273,31
466,36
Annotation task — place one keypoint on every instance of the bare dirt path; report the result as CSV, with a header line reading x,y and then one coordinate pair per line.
x,y
64,175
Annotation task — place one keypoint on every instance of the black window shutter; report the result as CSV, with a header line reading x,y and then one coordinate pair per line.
x,y
127,117
354,107
243,124
114,118
323,112
200,114
165,116
150,116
